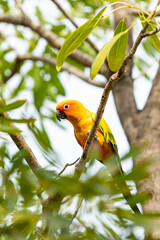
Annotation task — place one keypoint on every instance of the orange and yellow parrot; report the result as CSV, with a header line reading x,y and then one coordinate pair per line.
x,y
82,120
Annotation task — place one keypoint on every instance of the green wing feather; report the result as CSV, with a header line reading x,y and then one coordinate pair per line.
x,y
108,135
109,138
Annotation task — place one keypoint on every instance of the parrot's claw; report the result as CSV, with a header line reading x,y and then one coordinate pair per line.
x,y
88,132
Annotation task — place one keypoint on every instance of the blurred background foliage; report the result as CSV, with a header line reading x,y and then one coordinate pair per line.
x,y
104,213
24,209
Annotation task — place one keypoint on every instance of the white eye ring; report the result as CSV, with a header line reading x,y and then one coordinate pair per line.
x,y
66,107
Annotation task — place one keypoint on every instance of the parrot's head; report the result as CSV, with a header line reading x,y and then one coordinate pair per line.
x,y
70,110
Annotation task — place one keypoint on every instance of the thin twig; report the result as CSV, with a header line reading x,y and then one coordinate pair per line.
x,y
15,70
65,13
141,35
156,30
75,213
67,165
19,5
75,24
66,67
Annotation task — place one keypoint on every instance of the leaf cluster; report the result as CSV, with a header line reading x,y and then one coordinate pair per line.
x,y
43,206
115,49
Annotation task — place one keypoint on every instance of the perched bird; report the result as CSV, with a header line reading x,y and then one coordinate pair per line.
x,y
82,120
106,147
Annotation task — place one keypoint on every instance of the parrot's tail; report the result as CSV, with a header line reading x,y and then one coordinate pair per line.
x,y
123,185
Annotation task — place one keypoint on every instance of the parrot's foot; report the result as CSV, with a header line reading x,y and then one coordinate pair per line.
x,y
88,132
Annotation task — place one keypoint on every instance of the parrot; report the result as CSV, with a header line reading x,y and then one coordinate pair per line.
x,y
82,119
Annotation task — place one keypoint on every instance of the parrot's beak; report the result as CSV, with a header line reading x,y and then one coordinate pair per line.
x,y
60,115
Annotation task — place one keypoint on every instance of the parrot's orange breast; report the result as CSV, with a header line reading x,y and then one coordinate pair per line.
x,y
80,130
103,148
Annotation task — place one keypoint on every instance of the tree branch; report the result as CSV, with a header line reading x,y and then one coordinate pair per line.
x,y
121,96
21,144
52,61
75,213
156,30
15,70
137,12
129,113
141,35
126,106
67,165
153,99
66,67
18,3
52,200
155,88
75,24
77,55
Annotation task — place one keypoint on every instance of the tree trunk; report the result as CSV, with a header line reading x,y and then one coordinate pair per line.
x,y
149,130
142,127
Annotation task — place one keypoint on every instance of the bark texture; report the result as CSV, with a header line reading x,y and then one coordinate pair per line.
x,y
142,127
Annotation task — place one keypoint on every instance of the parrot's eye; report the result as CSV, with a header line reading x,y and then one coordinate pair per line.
x,y
66,107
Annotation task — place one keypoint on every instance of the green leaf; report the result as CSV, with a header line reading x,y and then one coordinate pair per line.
x,y
96,65
133,152
24,222
54,81
11,106
46,84
20,87
29,120
9,129
42,138
76,38
28,185
153,38
143,66
149,47
17,161
39,15
10,195
39,90
117,52
4,5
